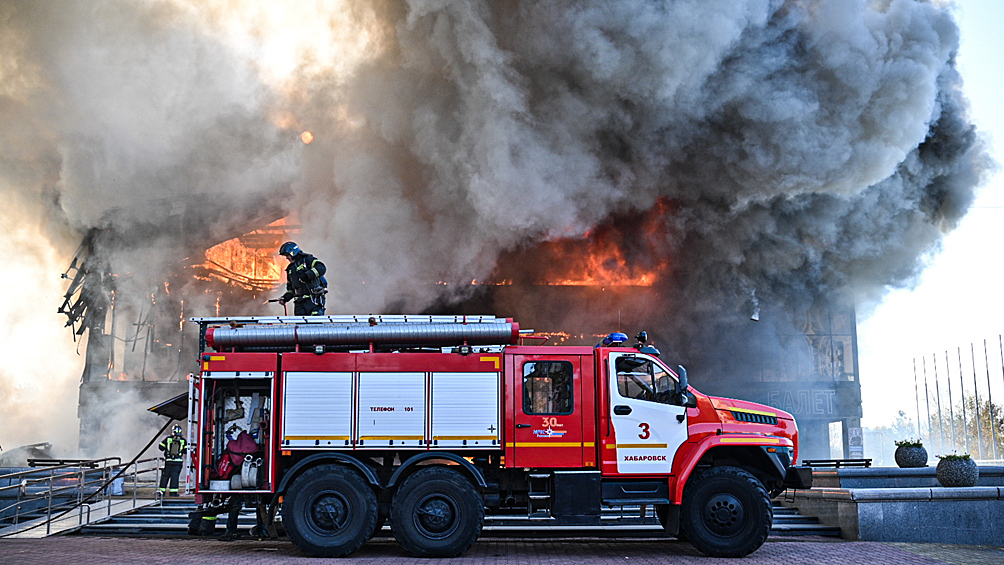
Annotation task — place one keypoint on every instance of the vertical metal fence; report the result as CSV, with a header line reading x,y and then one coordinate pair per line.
x,y
975,425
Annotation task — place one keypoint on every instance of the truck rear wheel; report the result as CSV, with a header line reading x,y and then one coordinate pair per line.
x,y
329,511
725,512
437,513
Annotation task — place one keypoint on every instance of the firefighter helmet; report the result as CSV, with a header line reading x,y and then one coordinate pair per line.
x,y
290,249
177,430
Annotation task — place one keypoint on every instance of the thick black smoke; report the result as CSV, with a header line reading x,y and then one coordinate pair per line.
x,y
805,149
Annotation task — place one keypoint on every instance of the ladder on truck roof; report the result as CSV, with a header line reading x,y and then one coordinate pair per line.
x,y
354,319
353,332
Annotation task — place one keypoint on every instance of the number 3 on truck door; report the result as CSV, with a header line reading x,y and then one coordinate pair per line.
x,y
645,433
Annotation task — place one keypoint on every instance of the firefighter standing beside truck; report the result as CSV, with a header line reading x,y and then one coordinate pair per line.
x,y
173,447
305,282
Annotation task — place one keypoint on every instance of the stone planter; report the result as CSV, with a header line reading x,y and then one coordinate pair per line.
x,y
911,456
957,472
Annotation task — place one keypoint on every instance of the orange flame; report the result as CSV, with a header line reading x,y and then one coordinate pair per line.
x,y
628,250
604,265
249,261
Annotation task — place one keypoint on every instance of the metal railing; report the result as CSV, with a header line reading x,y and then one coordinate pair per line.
x,y
971,421
62,488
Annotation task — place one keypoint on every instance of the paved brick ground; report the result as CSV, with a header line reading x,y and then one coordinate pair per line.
x,y
958,555
71,550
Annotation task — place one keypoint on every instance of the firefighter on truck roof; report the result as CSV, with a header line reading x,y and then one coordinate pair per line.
x,y
305,282
173,447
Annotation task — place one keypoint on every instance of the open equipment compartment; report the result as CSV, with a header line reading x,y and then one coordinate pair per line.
x,y
237,408
235,416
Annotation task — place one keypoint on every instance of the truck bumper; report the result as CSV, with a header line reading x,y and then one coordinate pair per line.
x,y
798,477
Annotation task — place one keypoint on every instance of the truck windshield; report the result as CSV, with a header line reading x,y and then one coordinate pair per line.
x,y
643,379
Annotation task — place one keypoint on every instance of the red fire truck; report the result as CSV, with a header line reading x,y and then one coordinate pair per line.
x,y
433,421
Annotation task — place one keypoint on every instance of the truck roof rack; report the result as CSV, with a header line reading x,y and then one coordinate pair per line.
x,y
354,319
349,332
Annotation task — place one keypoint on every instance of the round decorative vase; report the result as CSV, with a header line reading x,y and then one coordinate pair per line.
x,y
957,472
911,456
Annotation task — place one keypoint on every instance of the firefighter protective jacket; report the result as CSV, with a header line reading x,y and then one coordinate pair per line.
x,y
302,274
173,448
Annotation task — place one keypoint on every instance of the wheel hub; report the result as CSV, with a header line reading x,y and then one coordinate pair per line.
x,y
435,515
724,514
330,512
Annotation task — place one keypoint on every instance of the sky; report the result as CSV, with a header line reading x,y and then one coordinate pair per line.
x,y
957,301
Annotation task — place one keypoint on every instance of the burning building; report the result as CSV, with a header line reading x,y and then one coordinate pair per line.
x,y
573,292
133,325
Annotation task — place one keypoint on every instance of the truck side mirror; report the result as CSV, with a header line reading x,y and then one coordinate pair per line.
x,y
683,396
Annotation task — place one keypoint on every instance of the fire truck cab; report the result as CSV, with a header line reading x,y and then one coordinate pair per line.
x,y
433,421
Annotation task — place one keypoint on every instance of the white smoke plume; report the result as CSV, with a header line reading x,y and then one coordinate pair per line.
x,y
799,147
38,378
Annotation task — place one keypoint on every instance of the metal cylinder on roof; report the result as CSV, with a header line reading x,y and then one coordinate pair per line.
x,y
398,335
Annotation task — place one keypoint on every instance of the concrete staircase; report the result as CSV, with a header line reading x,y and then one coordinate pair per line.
x,y
788,522
171,519
889,504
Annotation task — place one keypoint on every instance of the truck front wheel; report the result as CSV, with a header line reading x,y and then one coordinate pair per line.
x,y
725,512
437,513
329,511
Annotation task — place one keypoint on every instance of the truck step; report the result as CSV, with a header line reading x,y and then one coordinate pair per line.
x,y
634,501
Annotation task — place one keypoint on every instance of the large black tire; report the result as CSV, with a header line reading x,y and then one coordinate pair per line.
x,y
329,511
437,513
725,512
